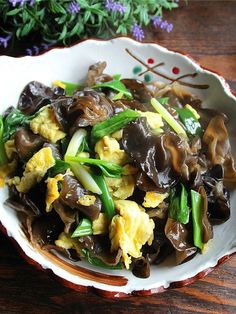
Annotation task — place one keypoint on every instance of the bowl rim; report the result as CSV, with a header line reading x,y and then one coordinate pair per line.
x,y
90,288
129,38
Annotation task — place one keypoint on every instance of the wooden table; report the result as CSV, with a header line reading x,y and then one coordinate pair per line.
x,y
206,30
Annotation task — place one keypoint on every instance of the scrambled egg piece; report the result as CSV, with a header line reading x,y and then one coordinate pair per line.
x,y
10,148
86,200
6,170
153,119
46,125
130,230
108,149
66,242
118,134
59,84
121,188
52,191
154,199
101,225
129,169
35,170
194,112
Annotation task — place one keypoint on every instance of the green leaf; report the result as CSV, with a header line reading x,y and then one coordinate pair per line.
x,y
115,123
109,169
178,208
60,167
87,16
57,8
74,30
61,20
3,156
191,123
116,85
27,28
70,88
63,33
163,100
14,12
14,120
196,200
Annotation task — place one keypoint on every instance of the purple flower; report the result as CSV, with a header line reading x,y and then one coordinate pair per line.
x,y
21,2
73,7
36,49
169,27
137,32
164,24
29,52
4,40
115,6
33,51
157,22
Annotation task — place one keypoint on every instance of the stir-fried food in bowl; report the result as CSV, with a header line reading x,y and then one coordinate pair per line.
x,y
116,172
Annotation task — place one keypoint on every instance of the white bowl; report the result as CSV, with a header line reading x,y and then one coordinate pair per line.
x,y
127,57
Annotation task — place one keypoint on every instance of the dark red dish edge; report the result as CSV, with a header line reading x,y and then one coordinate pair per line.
x,y
114,294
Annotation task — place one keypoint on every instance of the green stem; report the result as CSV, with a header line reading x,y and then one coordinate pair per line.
x,y
168,118
107,201
196,200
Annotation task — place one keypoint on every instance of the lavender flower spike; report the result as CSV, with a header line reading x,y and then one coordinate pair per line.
x,y
4,40
164,24
112,6
137,32
73,7
169,27
21,2
156,20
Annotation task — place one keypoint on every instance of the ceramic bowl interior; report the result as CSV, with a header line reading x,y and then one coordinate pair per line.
x,y
130,59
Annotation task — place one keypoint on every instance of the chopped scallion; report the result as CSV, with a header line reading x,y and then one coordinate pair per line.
x,y
113,124
107,201
83,229
168,117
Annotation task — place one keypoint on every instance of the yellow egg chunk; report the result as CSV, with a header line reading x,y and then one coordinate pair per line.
x,y
66,242
52,191
130,230
46,125
35,169
10,148
87,200
108,149
117,135
59,84
121,188
6,170
153,119
154,199
101,225
129,169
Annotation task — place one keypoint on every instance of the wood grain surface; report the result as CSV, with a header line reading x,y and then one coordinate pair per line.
x,y
205,29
